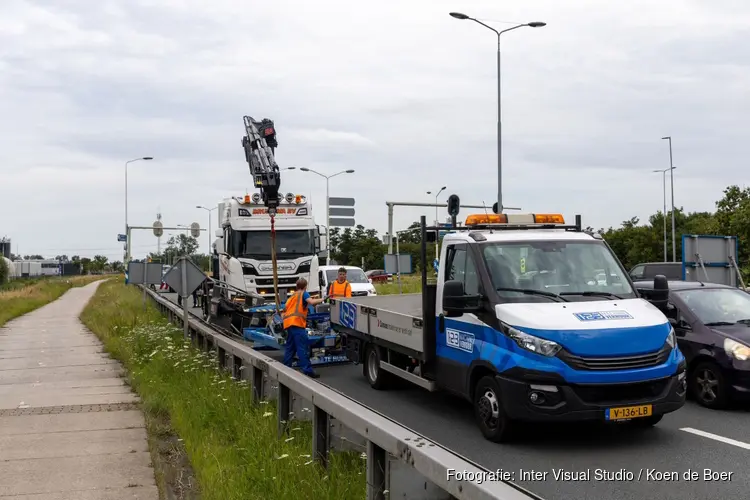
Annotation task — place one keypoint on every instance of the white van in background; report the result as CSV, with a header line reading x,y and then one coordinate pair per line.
x,y
361,286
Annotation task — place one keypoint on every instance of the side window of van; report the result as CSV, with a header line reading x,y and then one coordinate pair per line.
x,y
461,267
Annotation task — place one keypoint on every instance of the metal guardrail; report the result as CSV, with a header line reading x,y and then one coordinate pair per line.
x,y
383,435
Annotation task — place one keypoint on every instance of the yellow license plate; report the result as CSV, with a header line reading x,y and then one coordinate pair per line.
x,y
628,412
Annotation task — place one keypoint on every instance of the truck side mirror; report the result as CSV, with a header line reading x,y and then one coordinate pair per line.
x,y
659,295
432,236
456,302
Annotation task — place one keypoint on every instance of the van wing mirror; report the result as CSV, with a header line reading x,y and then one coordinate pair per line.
x,y
455,300
659,295
431,236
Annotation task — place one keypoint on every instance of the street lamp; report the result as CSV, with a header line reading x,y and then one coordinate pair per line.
x,y
664,189
671,180
437,234
209,210
127,232
534,24
328,212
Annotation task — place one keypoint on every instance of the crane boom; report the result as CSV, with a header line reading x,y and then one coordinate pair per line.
x,y
259,143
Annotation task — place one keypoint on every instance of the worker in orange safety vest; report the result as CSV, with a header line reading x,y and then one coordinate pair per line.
x,y
295,323
340,287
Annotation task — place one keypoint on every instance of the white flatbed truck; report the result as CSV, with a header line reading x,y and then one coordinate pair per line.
x,y
520,325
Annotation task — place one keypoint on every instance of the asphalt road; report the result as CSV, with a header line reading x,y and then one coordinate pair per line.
x,y
678,444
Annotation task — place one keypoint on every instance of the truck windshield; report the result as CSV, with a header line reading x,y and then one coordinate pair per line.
x,y
573,269
352,276
290,244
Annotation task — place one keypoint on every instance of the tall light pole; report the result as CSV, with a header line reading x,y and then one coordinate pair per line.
x,y
328,212
127,233
437,235
664,190
533,24
209,210
671,178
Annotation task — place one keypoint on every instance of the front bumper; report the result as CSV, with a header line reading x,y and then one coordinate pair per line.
x,y
529,396
739,380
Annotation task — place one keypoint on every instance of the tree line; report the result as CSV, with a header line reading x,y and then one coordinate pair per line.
x,y
632,241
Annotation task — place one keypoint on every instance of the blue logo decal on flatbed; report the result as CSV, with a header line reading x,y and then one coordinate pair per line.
x,y
459,340
348,315
602,315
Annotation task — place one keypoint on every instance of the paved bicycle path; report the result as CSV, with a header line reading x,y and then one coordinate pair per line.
x,y
70,428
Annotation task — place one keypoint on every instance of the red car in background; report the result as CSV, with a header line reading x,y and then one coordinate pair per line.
x,y
378,276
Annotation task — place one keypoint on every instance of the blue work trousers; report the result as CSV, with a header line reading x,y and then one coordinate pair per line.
x,y
297,343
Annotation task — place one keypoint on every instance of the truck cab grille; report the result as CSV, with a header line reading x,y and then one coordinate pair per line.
x,y
620,393
616,363
359,294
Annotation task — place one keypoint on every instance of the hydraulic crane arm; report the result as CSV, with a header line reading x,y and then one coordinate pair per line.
x,y
259,143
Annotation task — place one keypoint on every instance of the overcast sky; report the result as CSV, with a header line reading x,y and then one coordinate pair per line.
x,y
398,91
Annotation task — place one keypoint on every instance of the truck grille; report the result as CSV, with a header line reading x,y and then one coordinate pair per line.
x,y
620,393
359,294
616,363
282,281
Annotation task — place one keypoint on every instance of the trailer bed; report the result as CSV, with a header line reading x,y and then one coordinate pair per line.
x,y
392,318
409,304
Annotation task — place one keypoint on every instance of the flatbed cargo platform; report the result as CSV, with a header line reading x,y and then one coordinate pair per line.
x,y
393,318
409,304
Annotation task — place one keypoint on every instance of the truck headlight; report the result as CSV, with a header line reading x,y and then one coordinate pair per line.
x,y
532,343
736,350
671,340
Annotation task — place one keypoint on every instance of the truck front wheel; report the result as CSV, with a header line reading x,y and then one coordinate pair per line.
x,y
493,422
377,378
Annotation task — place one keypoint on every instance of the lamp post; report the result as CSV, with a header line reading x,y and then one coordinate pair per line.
x,y
328,212
533,24
209,210
664,189
437,235
127,231
671,180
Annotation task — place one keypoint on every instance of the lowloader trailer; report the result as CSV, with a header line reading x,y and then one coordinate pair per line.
x,y
520,324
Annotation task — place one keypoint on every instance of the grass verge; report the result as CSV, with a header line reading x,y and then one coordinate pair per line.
x,y
409,284
231,445
20,298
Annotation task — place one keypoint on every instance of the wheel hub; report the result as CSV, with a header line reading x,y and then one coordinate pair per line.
x,y
707,383
489,408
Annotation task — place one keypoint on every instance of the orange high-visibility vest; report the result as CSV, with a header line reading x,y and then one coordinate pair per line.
x,y
295,311
340,289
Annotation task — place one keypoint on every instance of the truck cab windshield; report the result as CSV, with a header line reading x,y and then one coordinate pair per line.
x,y
290,244
575,270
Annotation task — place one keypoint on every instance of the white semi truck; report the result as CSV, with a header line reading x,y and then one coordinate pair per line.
x,y
244,245
243,250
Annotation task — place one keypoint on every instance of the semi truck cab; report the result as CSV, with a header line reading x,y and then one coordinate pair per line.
x,y
522,324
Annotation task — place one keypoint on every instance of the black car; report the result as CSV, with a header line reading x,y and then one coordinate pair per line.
x,y
649,270
712,326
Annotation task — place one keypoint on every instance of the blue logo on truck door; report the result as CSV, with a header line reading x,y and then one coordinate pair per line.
x,y
348,315
459,340
602,315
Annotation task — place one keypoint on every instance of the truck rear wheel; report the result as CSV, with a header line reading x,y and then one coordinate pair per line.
x,y
377,378
488,409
